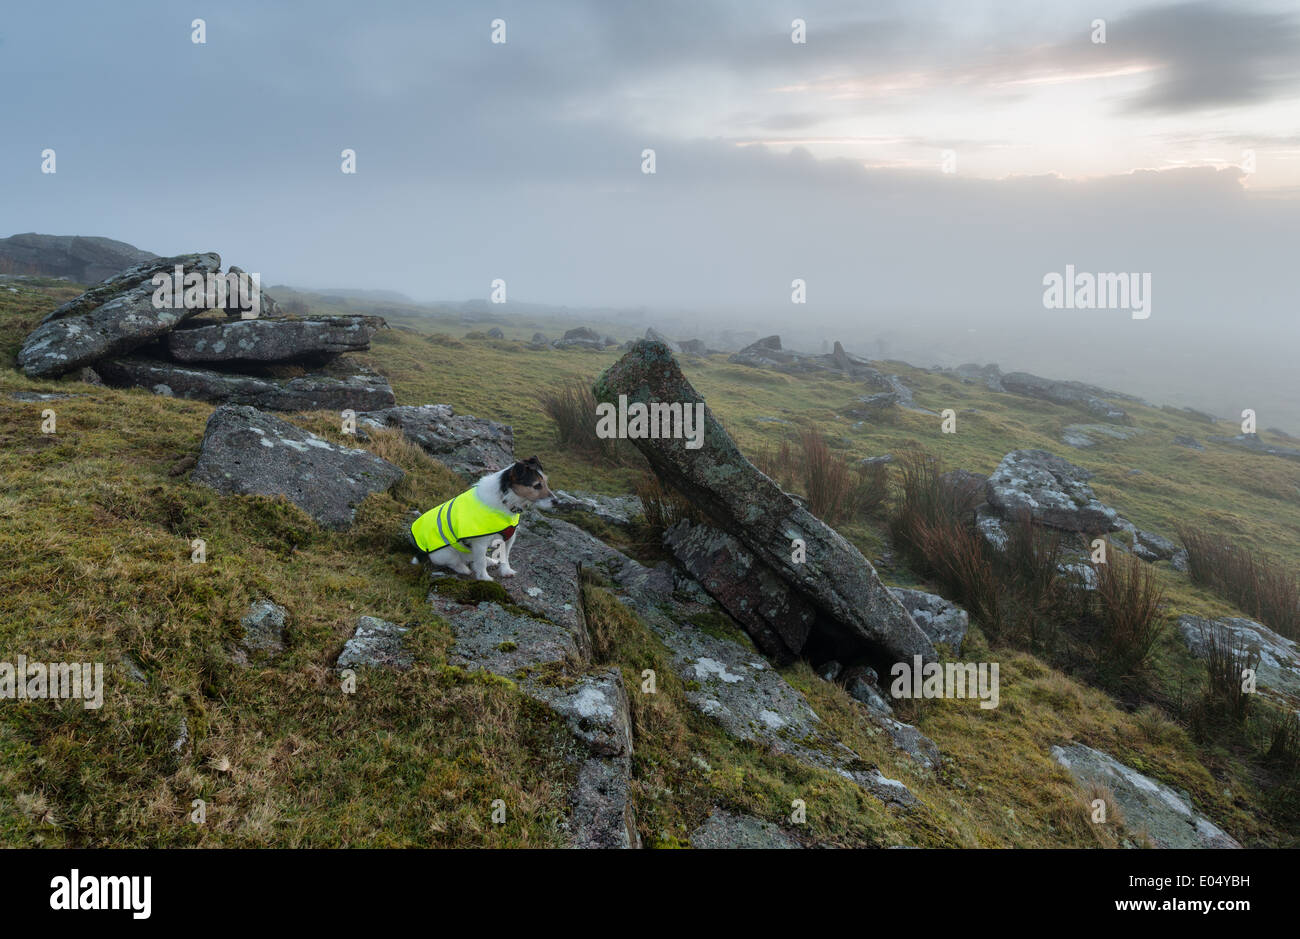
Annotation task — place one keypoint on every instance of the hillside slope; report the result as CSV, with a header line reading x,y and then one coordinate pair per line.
x,y
98,520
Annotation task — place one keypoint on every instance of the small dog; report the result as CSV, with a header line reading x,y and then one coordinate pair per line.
x,y
459,533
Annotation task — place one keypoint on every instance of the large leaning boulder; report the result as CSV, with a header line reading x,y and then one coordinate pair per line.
x,y
358,391
1054,491
311,339
247,452
118,323
827,571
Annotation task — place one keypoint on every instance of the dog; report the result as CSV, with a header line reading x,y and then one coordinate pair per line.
x,y
459,533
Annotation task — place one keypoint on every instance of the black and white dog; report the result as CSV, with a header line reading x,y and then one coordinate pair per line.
x,y
459,533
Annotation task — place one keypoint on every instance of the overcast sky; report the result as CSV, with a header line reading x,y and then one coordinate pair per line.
x,y
775,160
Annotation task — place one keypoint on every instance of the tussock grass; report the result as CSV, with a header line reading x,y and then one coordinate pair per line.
x,y
1265,589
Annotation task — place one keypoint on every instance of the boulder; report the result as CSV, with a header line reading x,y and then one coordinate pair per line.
x,y
1068,393
1054,491
860,614
617,510
1165,816
310,339
655,336
265,305
248,452
376,643
1278,670
81,259
768,353
1191,443
724,830
359,391
263,627
694,347
471,446
777,617
581,338
119,283
120,324
496,333
940,620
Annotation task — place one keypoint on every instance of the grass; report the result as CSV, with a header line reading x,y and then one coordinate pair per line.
x,y
1262,587
97,534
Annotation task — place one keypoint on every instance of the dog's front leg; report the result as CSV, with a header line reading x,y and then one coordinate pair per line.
x,y
506,569
479,550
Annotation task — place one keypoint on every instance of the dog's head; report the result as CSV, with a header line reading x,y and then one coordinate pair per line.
x,y
526,481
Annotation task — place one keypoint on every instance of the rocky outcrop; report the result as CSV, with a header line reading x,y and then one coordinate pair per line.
x,y
1147,545
655,336
1054,491
1191,443
309,339
724,830
247,452
1252,443
617,510
1068,393
119,283
988,375
1278,669
861,616
359,391
83,260
1147,806
126,321
942,621
471,446
533,650
376,643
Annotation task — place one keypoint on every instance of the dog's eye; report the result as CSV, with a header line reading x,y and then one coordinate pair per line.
x,y
537,485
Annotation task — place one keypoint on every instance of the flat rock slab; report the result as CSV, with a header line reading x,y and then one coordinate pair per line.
x,y
617,510
133,276
1088,435
724,830
122,323
504,643
1278,672
716,477
357,392
248,452
1053,490
376,643
1150,806
280,339
471,446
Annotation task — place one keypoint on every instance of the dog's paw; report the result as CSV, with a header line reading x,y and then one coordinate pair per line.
x,y
507,572
484,576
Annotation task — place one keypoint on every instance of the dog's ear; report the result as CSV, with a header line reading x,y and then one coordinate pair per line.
x,y
533,461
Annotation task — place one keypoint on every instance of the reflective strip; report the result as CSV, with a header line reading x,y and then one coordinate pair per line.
x,y
453,541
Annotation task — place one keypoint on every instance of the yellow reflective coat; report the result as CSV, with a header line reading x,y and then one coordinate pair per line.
x,y
459,519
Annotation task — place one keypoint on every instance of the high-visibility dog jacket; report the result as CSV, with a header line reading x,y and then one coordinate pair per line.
x,y
459,519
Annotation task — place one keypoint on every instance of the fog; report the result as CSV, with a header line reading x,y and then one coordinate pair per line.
x,y
921,167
